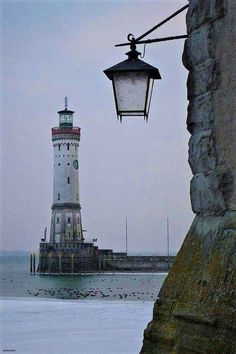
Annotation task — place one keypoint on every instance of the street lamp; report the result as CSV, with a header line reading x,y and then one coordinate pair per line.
x,y
133,79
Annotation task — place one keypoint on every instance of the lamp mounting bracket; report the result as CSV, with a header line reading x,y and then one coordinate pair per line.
x,y
133,41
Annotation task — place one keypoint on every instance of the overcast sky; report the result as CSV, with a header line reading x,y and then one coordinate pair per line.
x,y
53,49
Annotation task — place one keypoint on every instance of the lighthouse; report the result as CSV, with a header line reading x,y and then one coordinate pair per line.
x,y
66,226
66,251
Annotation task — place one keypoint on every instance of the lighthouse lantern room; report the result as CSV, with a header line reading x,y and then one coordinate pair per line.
x,y
65,117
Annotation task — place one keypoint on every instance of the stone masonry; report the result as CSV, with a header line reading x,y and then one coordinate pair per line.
x,y
195,310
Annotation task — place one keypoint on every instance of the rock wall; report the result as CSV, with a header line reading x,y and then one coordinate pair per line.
x,y
195,311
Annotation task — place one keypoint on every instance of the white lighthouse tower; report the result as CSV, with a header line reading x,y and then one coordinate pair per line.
x,y
66,227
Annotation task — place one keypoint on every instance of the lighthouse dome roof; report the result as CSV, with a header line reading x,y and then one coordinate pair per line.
x,y
65,111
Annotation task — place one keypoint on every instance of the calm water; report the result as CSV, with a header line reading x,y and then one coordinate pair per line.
x,y
16,281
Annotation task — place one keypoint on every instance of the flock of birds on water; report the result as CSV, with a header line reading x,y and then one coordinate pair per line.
x,y
133,289
92,292
71,293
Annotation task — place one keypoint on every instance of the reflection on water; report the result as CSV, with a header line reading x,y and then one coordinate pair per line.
x,y
15,281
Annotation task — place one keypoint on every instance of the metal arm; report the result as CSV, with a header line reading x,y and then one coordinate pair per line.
x,y
148,41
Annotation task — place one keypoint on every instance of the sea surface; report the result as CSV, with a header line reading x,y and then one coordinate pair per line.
x,y
16,281
86,314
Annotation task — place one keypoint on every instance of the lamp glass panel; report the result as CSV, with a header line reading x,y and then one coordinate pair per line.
x,y
149,96
130,90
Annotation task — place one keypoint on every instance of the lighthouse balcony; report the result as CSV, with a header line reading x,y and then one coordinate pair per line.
x,y
65,132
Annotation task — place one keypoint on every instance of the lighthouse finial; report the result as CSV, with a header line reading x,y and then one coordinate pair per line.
x,y
66,103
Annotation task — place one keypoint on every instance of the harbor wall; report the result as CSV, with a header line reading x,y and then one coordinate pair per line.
x,y
53,263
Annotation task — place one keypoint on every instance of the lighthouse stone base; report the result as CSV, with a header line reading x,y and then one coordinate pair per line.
x,y
81,257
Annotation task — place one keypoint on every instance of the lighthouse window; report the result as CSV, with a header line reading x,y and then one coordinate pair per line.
x,y
77,196
68,180
58,220
68,164
68,146
68,220
59,147
59,164
58,196
78,220
75,147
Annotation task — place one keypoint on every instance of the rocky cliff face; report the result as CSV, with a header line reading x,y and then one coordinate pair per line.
x,y
195,311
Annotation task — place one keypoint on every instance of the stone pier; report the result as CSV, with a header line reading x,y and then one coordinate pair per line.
x,y
195,311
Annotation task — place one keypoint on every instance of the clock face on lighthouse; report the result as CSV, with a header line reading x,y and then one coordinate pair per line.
x,y
76,164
